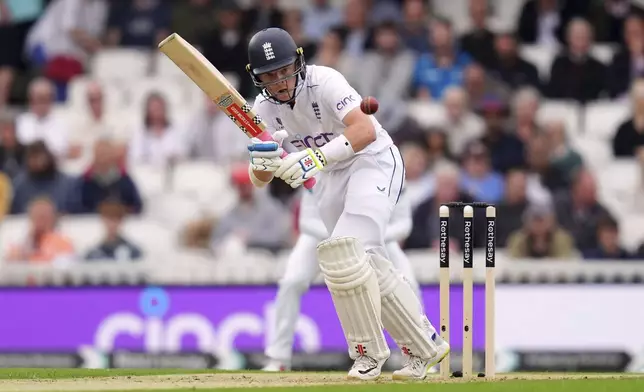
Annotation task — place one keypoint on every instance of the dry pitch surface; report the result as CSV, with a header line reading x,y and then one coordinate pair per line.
x,y
51,380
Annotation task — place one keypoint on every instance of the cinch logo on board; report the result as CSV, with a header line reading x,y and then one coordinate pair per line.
x,y
344,101
158,333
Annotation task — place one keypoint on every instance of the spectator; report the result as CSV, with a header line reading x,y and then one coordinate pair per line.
x,y
94,122
414,30
16,18
139,24
158,142
579,211
563,159
212,136
44,243
425,231
418,179
506,150
526,105
6,194
640,253
628,63
513,206
541,237
293,24
608,247
263,14
437,147
479,40
480,86
442,67
65,37
331,53
608,18
464,126
575,73
541,22
510,67
39,178
114,245
226,48
543,180
382,10
192,19
106,179
358,35
319,18
12,152
386,71
41,123
477,178
629,138
257,221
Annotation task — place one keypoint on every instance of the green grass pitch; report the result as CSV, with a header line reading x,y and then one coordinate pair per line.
x,y
144,380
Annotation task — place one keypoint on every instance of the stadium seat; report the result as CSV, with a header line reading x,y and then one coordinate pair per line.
x,y
632,231
602,118
173,210
13,229
109,64
203,181
85,231
568,112
506,13
541,56
596,153
620,181
151,180
454,10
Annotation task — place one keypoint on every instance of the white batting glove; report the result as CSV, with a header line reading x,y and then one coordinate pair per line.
x,y
266,156
298,167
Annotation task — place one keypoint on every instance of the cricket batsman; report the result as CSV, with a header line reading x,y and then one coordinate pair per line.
x,y
360,176
302,268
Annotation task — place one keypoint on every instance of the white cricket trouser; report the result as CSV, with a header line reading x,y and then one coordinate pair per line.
x,y
301,269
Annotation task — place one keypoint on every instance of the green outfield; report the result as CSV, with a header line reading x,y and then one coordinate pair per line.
x,y
126,380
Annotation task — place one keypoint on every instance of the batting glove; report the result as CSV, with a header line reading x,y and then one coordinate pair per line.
x,y
298,167
266,156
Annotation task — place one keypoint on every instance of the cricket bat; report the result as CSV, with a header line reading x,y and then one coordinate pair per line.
x,y
217,88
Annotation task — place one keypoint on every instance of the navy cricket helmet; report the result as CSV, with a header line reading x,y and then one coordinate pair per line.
x,y
269,50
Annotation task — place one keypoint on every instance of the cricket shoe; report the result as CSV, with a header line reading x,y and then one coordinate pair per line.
x,y
366,368
417,368
276,366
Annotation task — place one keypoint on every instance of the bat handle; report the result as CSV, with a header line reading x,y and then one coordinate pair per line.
x,y
266,136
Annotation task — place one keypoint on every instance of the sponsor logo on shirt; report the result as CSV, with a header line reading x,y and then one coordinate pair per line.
x,y
344,101
311,141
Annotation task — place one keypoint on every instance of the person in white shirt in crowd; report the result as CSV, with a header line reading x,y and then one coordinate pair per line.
x,y
302,268
212,136
316,113
158,141
462,124
96,121
70,30
40,122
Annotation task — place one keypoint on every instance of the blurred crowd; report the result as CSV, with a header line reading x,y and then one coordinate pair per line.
x,y
484,142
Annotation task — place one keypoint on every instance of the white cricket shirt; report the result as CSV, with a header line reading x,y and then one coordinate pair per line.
x,y
316,117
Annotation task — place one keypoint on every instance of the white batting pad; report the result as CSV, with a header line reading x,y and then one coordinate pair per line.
x,y
402,313
354,288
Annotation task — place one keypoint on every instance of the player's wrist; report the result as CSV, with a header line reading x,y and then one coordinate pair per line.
x,y
337,150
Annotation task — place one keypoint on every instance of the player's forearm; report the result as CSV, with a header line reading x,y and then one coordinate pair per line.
x,y
355,138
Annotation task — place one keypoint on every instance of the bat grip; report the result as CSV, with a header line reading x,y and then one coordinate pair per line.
x,y
266,136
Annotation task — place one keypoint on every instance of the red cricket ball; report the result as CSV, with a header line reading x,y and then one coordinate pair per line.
x,y
369,105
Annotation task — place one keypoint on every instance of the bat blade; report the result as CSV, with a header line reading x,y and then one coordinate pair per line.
x,y
208,78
